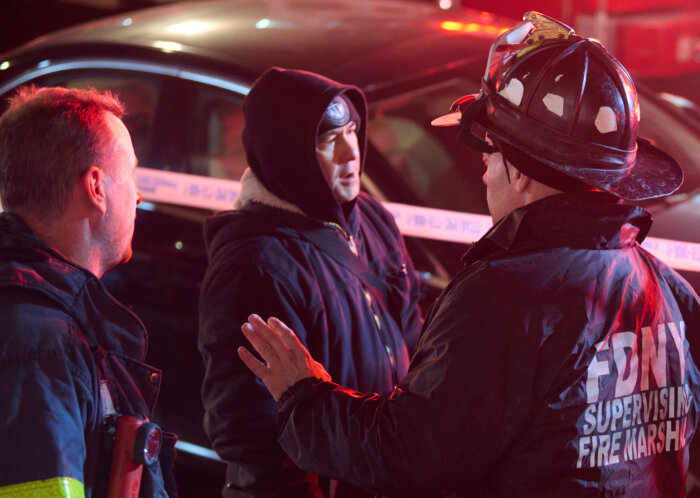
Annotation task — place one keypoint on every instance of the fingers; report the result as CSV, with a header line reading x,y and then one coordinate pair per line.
x,y
285,359
265,340
297,352
286,334
255,366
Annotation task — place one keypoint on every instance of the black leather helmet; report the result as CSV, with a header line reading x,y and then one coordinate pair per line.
x,y
565,102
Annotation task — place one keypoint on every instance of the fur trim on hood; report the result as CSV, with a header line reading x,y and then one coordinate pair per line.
x,y
252,190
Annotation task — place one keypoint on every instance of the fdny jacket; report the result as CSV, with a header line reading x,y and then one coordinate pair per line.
x,y
69,355
286,253
556,363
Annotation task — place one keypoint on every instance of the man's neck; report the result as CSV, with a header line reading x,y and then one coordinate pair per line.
x,y
70,236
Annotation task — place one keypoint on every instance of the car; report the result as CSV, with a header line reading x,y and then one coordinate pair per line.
x,y
183,71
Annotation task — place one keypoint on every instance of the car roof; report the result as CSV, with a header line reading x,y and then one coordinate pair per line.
x,y
371,43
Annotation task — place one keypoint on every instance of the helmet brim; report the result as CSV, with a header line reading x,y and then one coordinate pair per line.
x,y
653,174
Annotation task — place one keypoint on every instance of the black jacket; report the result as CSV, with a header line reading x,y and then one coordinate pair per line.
x,y
554,364
63,336
273,258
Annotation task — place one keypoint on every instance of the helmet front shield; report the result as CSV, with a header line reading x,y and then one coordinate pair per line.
x,y
521,38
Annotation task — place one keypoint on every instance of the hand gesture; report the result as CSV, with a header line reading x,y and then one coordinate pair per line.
x,y
286,360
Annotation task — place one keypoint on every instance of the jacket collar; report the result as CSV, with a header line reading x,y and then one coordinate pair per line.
x,y
28,262
585,220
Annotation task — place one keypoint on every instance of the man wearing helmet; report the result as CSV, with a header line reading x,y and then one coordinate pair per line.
x,y
556,362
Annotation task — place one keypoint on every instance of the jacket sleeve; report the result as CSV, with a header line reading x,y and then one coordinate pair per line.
x,y
47,402
239,411
445,425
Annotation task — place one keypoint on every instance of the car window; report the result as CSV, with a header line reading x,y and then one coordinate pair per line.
x,y
440,172
138,92
216,127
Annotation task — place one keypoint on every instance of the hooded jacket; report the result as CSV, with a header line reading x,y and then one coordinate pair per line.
x,y
69,356
556,363
285,252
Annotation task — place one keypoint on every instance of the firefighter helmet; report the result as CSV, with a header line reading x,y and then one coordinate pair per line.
x,y
563,101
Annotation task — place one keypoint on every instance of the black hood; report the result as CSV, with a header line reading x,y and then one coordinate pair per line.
x,y
282,114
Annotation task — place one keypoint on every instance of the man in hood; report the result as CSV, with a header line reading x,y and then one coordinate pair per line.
x,y
557,362
305,244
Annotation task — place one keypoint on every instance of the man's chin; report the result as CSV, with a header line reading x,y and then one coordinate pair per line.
x,y
348,194
127,256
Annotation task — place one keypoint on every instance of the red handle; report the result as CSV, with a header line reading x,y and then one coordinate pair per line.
x,y
125,473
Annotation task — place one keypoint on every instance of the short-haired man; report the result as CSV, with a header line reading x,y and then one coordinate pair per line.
x,y
556,362
71,357
303,244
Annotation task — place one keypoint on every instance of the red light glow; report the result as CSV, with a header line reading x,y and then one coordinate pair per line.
x,y
472,27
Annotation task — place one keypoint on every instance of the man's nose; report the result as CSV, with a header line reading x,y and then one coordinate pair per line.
x,y
139,197
348,151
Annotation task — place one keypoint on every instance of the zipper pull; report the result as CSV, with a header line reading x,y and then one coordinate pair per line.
x,y
346,235
352,246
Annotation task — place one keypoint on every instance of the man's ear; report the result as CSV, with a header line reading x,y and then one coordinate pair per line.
x,y
94,186
519,179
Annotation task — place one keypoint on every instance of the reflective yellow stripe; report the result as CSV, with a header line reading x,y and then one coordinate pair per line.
x,y
58,487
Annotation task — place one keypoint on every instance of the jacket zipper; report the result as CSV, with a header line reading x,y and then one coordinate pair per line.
x,y
348,238
370,301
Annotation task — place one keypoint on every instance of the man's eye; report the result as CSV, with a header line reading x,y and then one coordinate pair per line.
x,y
324,144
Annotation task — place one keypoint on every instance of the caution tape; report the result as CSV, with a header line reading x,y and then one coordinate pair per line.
x,y
413,221
677,254
187,190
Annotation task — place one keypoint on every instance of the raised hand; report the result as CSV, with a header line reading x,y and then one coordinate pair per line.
x,y
286,360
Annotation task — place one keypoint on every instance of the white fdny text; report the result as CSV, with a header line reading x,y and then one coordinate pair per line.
x,y
644,403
